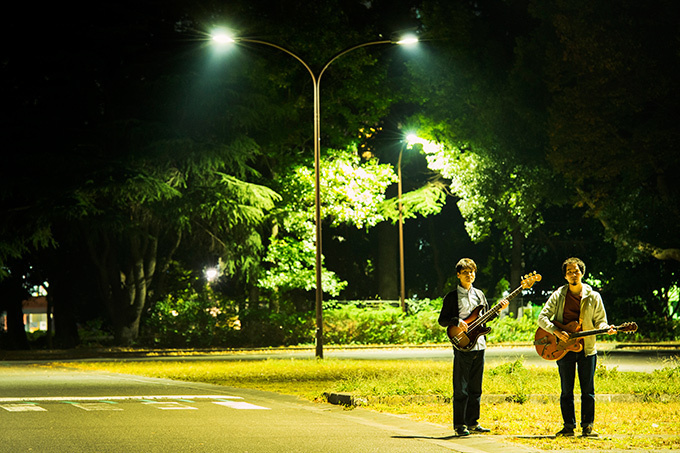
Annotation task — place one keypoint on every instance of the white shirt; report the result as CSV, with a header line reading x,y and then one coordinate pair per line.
x,y
467,302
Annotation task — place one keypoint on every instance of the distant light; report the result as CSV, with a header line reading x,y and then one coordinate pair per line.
x,y
408,40
211,274
413,138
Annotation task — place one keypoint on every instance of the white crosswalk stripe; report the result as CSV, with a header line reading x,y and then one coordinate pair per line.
x,y
23,407
111,403
240,405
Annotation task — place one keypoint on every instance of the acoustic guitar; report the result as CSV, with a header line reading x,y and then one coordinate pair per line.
x,y
550,347
465,341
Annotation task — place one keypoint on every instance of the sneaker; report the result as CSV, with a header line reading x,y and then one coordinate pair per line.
x,y
478,429
588,432
566,432
462,431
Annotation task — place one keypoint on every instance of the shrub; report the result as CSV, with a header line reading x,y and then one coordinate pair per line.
x,y
349,324
191,318
518,330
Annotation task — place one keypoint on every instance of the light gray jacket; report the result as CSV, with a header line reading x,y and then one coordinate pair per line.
x,y
593,314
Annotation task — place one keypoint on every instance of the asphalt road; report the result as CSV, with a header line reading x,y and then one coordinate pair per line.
x,y
48,409
625,359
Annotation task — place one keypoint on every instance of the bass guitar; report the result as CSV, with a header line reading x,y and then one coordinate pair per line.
x,y
550,347
465,341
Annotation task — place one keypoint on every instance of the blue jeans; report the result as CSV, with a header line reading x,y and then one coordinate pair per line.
x,y
468,371
586,377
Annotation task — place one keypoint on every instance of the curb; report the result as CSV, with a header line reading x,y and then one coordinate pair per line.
x,y
348,399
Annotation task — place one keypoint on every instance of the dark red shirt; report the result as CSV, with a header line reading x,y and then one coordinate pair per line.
x,y
572,307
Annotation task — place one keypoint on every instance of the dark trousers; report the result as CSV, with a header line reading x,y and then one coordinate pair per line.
x,y
586,377
468,371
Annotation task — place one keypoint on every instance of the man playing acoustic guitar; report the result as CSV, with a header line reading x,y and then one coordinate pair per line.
x,y
468,365
577,304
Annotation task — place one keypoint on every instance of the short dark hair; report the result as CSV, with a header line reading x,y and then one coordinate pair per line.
x,y
573,260
465,263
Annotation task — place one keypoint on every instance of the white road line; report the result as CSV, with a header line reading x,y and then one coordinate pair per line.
x,y
240,405
101,406
45,399
169,405
23,408
103,403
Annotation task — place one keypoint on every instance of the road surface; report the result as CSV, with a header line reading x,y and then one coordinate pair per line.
x,y
48,409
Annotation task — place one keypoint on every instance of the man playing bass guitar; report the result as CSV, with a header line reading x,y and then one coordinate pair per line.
x,y
468,364
576,303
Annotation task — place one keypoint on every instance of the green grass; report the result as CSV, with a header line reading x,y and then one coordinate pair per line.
x,y
527,406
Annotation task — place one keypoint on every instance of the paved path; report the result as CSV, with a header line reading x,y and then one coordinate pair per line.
x,y
60,410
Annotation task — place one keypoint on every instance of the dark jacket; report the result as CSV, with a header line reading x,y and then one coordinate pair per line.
x,y
450,314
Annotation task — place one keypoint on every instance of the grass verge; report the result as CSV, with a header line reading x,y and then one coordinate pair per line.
x,y
646,419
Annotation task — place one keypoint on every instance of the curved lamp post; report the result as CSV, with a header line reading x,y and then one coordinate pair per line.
x,y
316,81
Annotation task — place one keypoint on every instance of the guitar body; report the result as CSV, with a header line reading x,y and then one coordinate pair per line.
x,y
465,341
550,347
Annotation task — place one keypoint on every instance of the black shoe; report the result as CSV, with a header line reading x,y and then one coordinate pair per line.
x,y
478,429
588,432
566,432
462,431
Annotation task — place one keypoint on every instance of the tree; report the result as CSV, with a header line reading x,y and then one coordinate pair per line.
x,y
352,194
502,198
124,170
487,111
612,126
12,293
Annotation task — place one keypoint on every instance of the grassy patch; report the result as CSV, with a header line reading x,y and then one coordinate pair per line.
x,y
649,421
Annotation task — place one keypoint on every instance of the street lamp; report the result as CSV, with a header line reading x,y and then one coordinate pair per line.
x,y
224,38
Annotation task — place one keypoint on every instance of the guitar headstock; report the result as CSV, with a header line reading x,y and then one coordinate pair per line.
x,y
529,279
627,327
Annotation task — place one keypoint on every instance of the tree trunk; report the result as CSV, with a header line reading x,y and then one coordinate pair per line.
x,y
388,261
12,294
516,269
126,271
439,266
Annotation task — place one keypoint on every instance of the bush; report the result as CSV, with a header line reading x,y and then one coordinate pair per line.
x,y
261,327
384,324
201,319
191,318
515,330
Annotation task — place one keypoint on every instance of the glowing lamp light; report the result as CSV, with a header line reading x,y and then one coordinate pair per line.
x,y
222,38
407,40
211,274
413,138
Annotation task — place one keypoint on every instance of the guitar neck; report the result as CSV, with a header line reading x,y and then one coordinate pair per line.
x,y
588,333
496,308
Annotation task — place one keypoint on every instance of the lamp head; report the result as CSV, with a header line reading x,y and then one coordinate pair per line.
x,y
407,40
222,37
